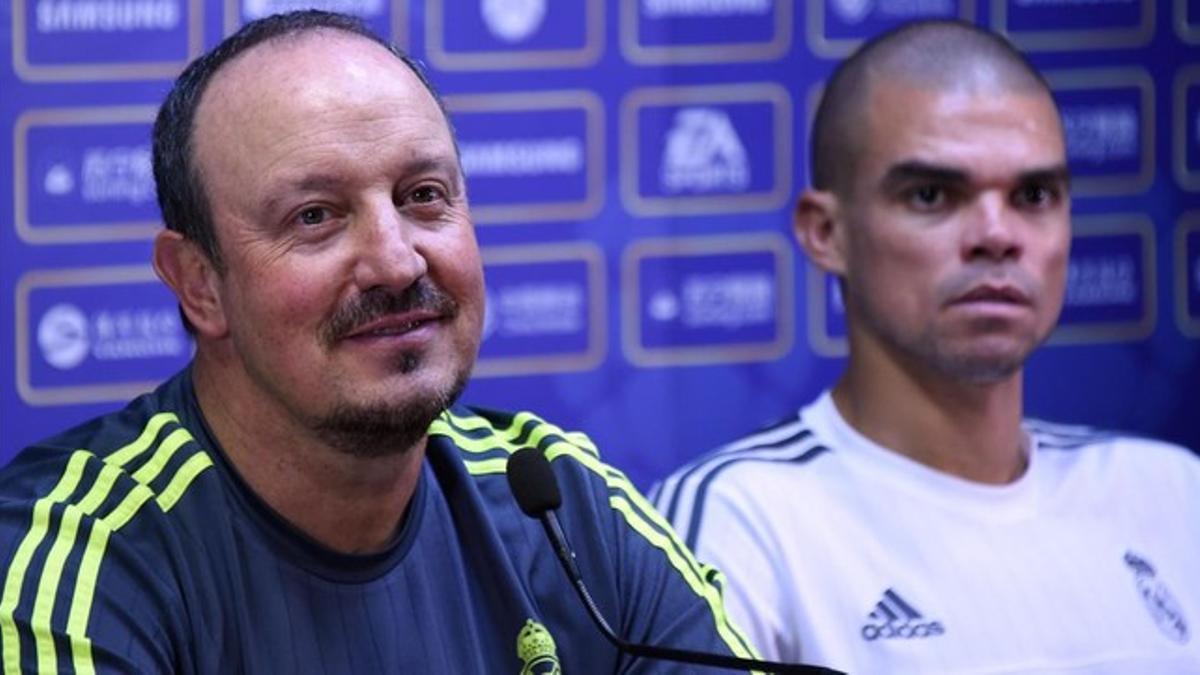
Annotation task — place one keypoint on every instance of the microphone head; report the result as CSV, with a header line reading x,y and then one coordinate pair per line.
x,y
532,482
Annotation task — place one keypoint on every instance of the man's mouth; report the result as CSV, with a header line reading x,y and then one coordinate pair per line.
x,y
387,326
1005,294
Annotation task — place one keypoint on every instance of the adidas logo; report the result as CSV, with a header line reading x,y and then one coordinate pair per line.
x,y
893,618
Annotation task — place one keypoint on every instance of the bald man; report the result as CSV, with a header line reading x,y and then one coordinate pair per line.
x,y
909,520
306,496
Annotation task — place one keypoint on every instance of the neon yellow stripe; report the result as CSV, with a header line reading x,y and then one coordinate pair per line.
x,y
166,450
454,425
506,436
486,466
644,520
81,601
662,538
183,478
576,438
10,642
142,442
582,441
43,606
678,555
68,530
9,638
39,622
463,423
89,570
706,591
616,480
543,430
718,581
85,583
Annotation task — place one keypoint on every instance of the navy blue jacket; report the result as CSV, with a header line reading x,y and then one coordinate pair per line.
x,y
129,544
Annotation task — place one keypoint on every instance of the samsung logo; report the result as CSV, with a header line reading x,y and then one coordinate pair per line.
x,y
524,157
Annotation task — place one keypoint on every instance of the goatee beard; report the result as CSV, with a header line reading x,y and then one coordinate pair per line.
x,y
375,430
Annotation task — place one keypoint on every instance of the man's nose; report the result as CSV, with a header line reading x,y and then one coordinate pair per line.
x,y
993,230
386,249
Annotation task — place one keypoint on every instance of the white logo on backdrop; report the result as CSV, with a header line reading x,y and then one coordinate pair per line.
x,y
257,9
534,309
703,153
658,9
62,335
513,20
117,173
58,181
728,300
523,157
1108,280
664,306
852,11
1099,133
107,16
66,335
1070,3
724,300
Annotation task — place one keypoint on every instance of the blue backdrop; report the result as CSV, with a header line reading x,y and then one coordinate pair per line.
x,y
632,167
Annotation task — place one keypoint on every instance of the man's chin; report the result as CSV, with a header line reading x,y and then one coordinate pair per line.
x,y
387,424
984,368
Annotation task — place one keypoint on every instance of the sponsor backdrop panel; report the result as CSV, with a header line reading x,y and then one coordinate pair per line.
x,y
632,166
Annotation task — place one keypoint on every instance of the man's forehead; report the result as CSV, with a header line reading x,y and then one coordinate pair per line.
x,y
285,85
901,113
297,61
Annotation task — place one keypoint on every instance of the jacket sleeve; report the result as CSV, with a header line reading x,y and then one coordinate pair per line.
x,y
78,596
654,590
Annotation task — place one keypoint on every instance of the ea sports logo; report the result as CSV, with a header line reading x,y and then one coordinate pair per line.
x,y
905,631
62,335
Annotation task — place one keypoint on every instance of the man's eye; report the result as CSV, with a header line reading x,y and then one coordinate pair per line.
x,y
927,197
1035,195
313,215
426,194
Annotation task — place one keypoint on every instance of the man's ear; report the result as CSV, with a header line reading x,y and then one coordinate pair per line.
x,y
820,230
183,266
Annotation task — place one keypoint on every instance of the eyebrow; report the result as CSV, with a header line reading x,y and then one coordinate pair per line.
x,y
915,171
328,182
308,183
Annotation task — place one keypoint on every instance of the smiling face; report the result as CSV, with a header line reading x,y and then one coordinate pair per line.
x,y
956,229
352,294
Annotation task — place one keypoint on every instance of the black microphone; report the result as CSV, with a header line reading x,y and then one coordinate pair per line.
x,y
535,488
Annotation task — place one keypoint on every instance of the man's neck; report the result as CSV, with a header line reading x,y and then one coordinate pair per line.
x,y
352,504
971,430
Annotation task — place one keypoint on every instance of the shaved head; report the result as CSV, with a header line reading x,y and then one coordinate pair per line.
x,y
944,56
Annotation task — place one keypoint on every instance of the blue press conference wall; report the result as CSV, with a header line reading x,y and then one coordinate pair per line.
x,y
632,167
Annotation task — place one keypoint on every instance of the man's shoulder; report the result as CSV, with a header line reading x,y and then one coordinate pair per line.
x,y
787,450
1122,451
485,438
110,467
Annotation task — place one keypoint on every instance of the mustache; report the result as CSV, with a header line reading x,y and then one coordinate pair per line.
x,y
375,303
